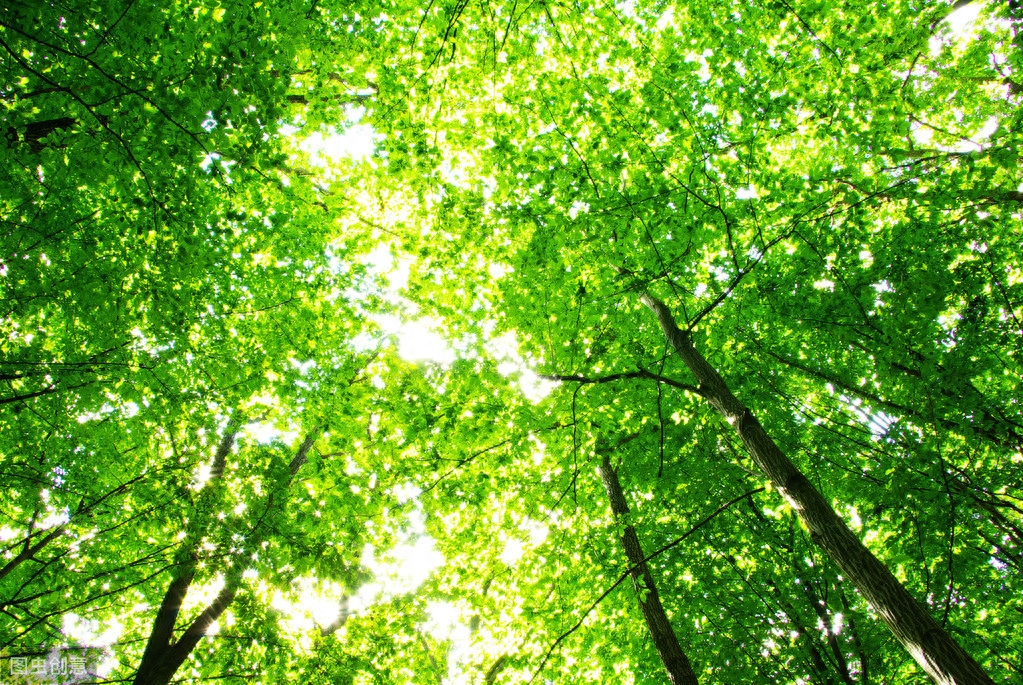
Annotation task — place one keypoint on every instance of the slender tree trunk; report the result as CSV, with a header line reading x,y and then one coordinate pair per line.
x,y
164,655
927,642
680,672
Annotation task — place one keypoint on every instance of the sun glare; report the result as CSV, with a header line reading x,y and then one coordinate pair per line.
x,y
354,140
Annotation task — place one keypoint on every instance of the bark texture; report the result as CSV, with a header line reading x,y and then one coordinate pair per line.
x,y
675,661
927,642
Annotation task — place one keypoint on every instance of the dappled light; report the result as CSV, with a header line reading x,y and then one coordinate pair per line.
x,y
492,344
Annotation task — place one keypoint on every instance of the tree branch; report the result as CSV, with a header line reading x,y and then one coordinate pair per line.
x,y
642,373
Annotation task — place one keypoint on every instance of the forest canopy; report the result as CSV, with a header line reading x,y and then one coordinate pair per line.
x,y
476,343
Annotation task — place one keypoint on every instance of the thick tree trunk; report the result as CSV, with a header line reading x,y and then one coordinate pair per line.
x,y
680,672
160,664
927,642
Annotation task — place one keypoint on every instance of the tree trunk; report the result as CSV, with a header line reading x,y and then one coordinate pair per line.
x,y
164,656
675,661
159,665
927,642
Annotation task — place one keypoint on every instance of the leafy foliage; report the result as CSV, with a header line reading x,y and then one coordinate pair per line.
x,y
828,197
